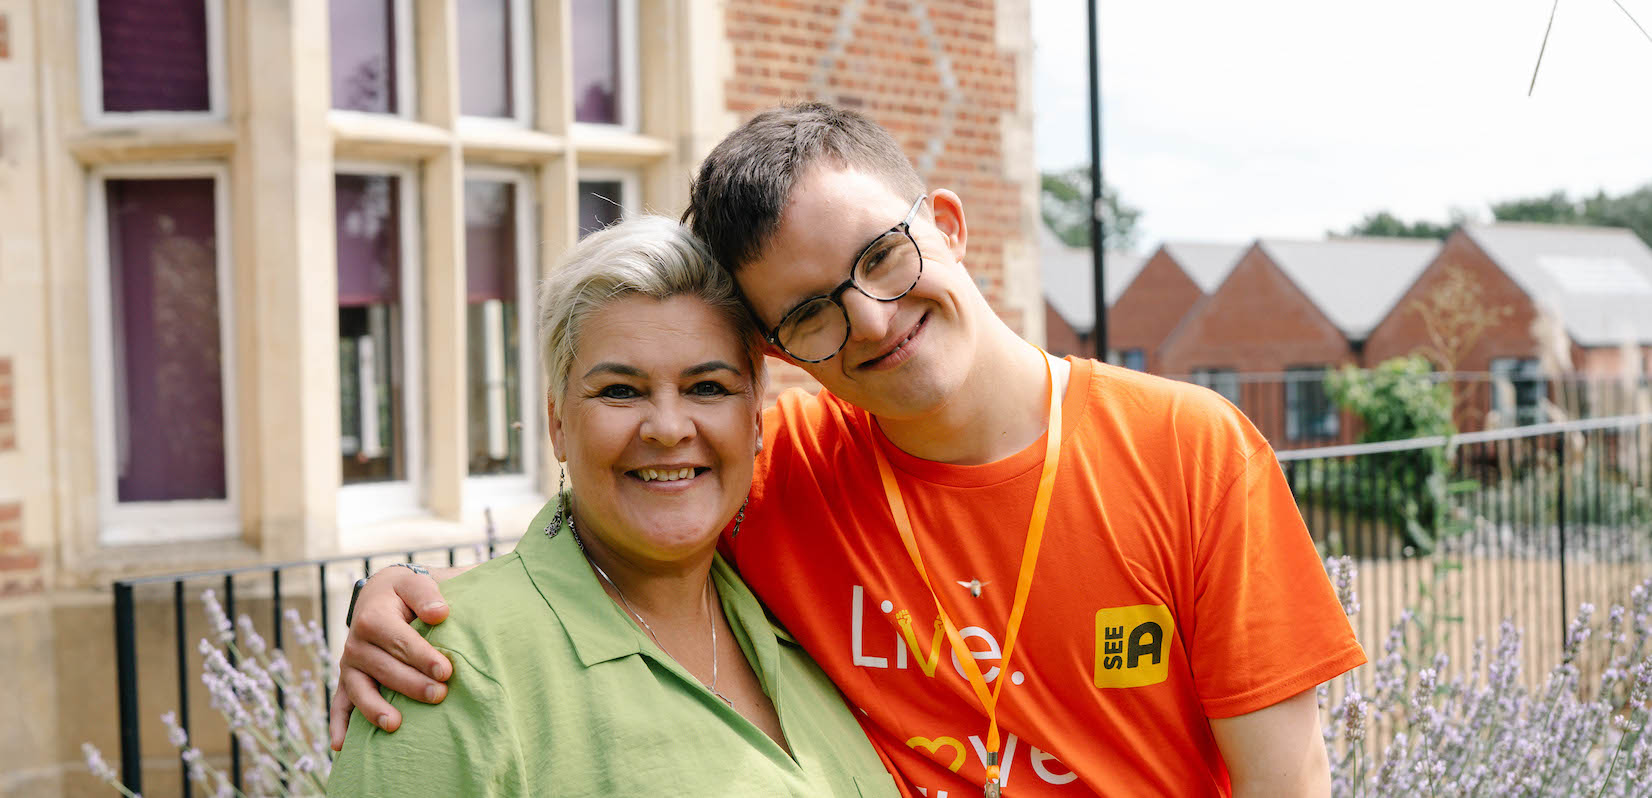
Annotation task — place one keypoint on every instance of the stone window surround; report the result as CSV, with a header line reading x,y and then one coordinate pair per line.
x,y
91,74
482,491
137,522
681,114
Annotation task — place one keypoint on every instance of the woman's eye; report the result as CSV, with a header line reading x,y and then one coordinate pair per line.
x,y
708,388
618,392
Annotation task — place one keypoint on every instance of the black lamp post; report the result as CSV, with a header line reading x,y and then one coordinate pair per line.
x,y
1098,232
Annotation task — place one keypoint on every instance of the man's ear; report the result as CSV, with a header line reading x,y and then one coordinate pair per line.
x,y
779,354
949,219
555,426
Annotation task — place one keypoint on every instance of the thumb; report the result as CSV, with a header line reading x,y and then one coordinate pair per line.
x,y
424,598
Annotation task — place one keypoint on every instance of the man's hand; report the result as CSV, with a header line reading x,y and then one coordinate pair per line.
x,y
1277,750
382,648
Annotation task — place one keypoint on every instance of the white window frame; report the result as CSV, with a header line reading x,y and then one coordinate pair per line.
x,y
135,523
522,75
500,490
91,74
630,185
1218,378
1297,379
371,502
407,94
629,80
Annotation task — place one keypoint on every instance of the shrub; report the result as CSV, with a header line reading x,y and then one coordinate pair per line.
x,y
1398,400
1426,730
277,713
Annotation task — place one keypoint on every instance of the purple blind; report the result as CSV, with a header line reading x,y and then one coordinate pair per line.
x,y
163,272
369,235
490,241
601,203
363,44
485,58
596,44
154,55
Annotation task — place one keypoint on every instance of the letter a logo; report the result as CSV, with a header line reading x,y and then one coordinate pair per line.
x,y
1133,645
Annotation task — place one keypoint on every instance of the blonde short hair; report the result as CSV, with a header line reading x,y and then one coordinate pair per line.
x,y
648,255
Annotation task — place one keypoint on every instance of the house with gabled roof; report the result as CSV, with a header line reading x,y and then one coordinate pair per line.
x,y
1293,308
1555,299
1069,296
1171,281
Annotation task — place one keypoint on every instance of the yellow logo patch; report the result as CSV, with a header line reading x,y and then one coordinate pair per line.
x,y
1133,645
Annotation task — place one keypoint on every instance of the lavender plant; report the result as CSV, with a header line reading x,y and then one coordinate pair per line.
x,y
277,711
1426,729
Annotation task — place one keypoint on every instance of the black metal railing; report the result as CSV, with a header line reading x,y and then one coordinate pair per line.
x,y
1526,524
1294,410
263,591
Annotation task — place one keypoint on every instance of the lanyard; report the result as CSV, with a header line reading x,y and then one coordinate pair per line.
x,y
1023,584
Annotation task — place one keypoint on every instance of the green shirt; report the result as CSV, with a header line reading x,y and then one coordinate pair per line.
x,y
556,692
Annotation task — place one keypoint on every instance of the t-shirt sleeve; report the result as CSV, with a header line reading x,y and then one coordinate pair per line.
x,y
1267,621
465,745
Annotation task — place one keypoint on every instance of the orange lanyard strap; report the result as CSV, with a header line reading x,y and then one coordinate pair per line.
x,y
1023,583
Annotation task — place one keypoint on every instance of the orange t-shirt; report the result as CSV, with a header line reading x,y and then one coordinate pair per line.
x,y
1176,583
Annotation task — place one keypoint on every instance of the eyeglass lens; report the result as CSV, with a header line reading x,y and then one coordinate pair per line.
x,y
886,271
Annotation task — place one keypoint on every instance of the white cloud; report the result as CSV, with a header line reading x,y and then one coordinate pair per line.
x,y
1290,117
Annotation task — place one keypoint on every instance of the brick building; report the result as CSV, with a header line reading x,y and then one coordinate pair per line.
x,y
1169,284
323,221
1289,310
1068,273
1557,300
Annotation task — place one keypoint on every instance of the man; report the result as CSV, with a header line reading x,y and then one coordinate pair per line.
x,y
1131,608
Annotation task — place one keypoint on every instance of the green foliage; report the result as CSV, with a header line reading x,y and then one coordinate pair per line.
x,y
1632,211
1553,208
1065,205
1398,399
1387,225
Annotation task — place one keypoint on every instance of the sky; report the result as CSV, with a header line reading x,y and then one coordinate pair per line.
x,y
1227,121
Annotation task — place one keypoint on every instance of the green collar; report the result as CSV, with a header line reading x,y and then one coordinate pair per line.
x,y
601,631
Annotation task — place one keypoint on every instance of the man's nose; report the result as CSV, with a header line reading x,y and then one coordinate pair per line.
x,y
869,319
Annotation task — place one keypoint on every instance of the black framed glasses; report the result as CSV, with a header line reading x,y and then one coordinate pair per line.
x,y
885,270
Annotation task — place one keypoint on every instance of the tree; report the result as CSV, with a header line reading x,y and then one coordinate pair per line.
x,y
1385,224
1065,206
1550,209
1632,211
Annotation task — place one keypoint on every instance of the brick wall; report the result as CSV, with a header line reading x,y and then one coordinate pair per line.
x,y
1151,307
931,72
8,414
1258,321
19,566
1061,339
1403,331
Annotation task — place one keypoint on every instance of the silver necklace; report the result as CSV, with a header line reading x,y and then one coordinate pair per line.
x,y
649,629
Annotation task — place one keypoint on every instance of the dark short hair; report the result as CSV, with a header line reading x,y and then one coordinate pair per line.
x,y
743,186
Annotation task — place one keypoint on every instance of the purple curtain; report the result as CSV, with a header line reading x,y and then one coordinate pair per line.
x,y
154,55
485,57
596,44
163,269
369,235
363,34
490,241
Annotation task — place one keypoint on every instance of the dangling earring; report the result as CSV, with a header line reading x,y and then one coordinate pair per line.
x,y
738,517
555,526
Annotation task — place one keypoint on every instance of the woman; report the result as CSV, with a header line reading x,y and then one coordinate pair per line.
x,y
613,652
